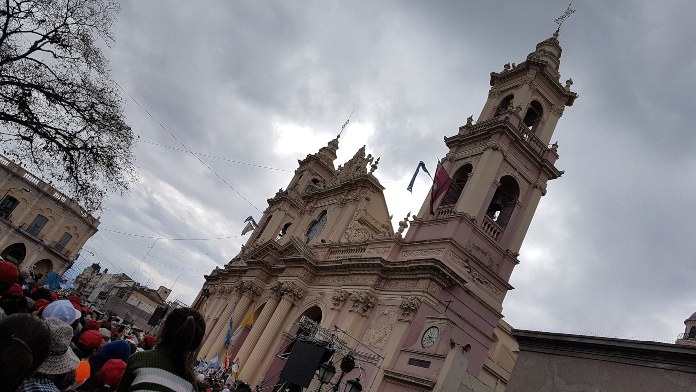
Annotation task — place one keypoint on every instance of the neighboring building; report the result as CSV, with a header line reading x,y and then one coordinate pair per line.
x,y
689,335
568,363
119,295
40,228
420,311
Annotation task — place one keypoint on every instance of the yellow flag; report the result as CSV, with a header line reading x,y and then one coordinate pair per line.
x,y
248,321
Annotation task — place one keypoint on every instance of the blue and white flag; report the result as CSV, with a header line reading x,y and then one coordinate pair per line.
x,y
214,363
250,225
53,281
228,336
421,165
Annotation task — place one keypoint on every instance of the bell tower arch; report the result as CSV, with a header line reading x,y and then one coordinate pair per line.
x,y
501,163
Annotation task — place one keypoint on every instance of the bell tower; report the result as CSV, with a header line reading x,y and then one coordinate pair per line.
x,y
501,163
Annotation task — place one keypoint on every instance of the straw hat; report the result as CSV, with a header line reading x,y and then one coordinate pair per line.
x,y
61,358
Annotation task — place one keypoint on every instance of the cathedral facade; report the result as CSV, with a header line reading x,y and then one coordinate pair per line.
x,y
415,307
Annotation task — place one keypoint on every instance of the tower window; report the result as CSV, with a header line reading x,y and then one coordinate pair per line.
x,y
8,205
313,185
316,226
283,231
37,225
504,201
533,115
455,189
504,104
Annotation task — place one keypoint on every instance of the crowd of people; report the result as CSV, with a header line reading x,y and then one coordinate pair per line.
x,y
54,344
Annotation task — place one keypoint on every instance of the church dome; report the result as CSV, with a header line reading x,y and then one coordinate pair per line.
x,y
692,317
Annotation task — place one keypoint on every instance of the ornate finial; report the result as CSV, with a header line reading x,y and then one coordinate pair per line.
x,y
403,224
561,19
373,167
506,67
569,83
470,121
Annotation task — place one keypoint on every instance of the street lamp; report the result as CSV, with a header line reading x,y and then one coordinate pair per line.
x,y
353,385
325,373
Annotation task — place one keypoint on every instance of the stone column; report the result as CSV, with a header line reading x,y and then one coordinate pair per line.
x,y
248,291
338,298
253,370
214,327
260,324
218,305
361,304
406,313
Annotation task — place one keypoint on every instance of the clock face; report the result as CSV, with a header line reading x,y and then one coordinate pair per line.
x,y
429,337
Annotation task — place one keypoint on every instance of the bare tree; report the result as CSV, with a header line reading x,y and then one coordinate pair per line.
x,y
60,112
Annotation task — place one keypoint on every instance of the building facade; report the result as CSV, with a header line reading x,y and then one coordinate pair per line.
x,y
564,363
416,308
40,228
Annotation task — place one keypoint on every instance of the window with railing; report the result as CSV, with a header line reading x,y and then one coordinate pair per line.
x,y
37,225
60,245
8,205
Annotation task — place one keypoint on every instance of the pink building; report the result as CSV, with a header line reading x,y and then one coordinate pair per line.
x,y
416,310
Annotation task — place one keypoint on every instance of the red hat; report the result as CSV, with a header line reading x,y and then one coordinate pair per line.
x,y
15,290
54,296
40,304
149,342
112,372
8,273
92,324
90,340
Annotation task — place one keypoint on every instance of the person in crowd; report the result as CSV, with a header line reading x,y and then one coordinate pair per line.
x,y
9,275
57,371
13,301
24,343
110,375
87,344
169,366
62,310
105,334
117,349
147,343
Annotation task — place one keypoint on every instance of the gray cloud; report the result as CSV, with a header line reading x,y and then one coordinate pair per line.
x,y
609,251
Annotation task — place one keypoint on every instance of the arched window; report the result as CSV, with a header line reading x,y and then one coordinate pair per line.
x,y
283,231
316,226
457,186
15,253
533,115
60,245
504,105
37,225
8,205
313,185
504,201
692,333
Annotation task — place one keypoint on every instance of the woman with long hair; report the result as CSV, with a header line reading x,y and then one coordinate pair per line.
x,y
169,366
24,344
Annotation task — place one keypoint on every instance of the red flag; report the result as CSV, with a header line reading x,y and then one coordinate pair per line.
x,y
441,182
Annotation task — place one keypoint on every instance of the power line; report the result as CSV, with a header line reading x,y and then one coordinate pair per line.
x,y
168,238
185,147
218,158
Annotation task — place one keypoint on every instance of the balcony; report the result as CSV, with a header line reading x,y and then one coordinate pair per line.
x,y
491,228
687,336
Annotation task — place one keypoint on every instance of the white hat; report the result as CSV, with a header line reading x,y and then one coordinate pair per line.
x,y
105,333
62,310
61,359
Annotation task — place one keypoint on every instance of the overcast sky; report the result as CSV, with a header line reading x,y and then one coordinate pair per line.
x,y
254,86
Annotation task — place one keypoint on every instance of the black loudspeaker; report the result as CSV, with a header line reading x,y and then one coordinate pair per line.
x,y
303,362
157,316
